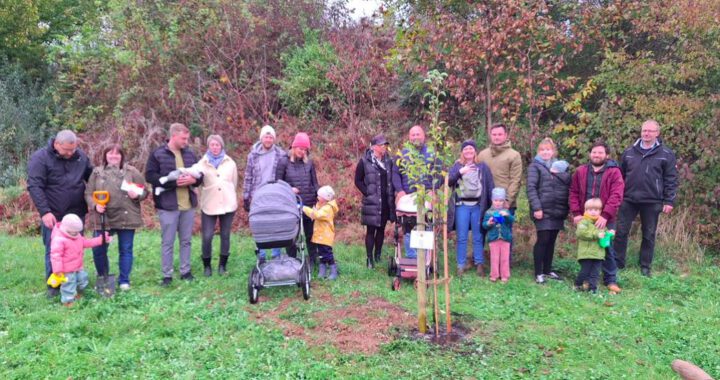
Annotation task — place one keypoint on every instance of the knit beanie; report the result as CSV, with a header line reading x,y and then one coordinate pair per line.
x,y
267,130
71,223
468,143
302,140
327,193
499,193
560,166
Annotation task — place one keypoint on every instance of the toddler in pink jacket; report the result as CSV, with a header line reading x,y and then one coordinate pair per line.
x,y
67,246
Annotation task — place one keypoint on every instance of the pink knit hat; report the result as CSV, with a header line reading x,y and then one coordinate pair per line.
x,y
302,140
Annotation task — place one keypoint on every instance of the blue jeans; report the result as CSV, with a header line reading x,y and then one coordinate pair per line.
x,y
409,252
125,249
76,281
466,218
609,265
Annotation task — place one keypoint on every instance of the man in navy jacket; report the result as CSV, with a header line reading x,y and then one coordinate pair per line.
x,y
56,182
651,183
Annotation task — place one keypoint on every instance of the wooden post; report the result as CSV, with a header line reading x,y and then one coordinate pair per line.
x,y
436,306
421,286
446,274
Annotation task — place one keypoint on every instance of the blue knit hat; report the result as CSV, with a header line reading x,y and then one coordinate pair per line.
x,y
468,143
499,193
561,166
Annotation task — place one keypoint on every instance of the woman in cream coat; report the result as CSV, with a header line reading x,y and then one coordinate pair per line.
x,y
218,200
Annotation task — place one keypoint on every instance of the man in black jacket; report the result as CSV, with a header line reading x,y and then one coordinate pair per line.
x,y
651,183
176,207
56,181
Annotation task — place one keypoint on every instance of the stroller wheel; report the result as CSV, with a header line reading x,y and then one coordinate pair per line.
x,y
395,286
305,282
253,286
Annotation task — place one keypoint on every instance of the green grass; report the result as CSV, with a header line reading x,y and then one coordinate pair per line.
x,y
205,328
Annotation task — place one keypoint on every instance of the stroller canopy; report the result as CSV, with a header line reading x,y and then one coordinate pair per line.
x,y
274,213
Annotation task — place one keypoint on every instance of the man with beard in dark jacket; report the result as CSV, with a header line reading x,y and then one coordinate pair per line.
x,y
651,183
601,178
373,177
56,182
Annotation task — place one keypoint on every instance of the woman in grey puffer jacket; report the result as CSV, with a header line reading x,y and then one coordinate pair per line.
x,y
548,187
298,170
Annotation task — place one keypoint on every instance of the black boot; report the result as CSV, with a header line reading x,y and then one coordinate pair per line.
x,y
208,269
378,256
221,266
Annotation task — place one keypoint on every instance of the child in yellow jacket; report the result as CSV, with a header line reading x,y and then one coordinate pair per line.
x,y
323,213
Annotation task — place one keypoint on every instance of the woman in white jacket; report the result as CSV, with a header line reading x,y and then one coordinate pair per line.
x,y
218,200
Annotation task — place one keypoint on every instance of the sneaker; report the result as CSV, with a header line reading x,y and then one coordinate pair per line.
x,y
187,276
540,279
124,287
166,281
614,288
207,272
553,276
460,271
646,272
586,286
68,304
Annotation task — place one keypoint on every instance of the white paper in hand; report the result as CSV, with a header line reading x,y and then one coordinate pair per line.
x,y
134,187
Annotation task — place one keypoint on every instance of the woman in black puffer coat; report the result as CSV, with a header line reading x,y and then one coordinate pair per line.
x,y
297,169
373,179
548,187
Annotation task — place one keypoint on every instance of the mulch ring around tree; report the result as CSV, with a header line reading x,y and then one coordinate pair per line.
x,y
352,324
356,324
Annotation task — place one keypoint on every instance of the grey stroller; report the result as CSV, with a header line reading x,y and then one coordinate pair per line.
x,y
276,222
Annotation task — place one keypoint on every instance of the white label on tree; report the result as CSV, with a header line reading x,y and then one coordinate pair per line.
x,y
422,239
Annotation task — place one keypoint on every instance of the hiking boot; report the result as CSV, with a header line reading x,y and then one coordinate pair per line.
x,y
540,279
100,285
207,271
321,271
333,272
52,292
613,288
553,276
222,265
166,281
187,276
480,269
646,272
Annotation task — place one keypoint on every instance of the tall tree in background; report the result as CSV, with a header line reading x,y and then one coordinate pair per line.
x,y
504,58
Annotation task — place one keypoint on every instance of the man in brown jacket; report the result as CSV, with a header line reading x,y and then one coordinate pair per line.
x,y
505,164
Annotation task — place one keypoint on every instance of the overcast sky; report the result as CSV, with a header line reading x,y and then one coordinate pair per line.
x,y
363,8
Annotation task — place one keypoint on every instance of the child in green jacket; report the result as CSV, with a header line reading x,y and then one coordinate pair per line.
x,y
590,253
